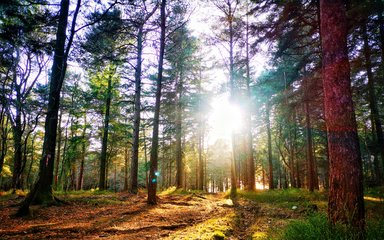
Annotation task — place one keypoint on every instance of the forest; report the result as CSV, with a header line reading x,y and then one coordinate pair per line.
x,y
201,119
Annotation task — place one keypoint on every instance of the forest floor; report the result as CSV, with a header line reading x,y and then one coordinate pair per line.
x,y
106,215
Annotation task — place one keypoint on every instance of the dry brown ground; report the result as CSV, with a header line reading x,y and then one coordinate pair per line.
x,y
111,216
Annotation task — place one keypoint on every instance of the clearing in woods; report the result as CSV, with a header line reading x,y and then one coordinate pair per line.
x,y
106,215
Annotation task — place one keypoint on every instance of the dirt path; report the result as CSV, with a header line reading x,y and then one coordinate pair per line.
x,y
114,216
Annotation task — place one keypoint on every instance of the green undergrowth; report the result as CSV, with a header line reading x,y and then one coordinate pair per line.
x,y
376,192
8,195
180,191
287,198
308,225
285,195
92,196
316,227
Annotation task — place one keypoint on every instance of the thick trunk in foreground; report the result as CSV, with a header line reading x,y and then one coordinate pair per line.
x,y
345,203
153,174
41,192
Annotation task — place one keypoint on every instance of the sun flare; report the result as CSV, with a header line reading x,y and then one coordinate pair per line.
x,y
224,119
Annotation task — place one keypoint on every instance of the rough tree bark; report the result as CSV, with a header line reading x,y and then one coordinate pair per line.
x,y
345,203
152,183
41,192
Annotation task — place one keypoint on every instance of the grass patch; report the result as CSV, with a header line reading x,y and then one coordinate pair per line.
x,y
180,191
92,196
8,195
375,192
284,195
316,227
214,228
287,198
84,193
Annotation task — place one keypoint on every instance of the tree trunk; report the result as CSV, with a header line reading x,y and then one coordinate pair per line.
x,y
136,117
58,151
249,143
104,144
64,159
126,159
377,130
42,190
18,154
200,180
146,161
179,153
380,9
152,186
4,120
233,191
29,182
311,174
83,153
346,203
270,163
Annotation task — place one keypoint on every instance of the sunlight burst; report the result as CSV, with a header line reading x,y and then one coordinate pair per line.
x,y
224,119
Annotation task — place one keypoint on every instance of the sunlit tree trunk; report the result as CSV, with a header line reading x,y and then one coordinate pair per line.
x,y
152,183
346,203
83,153
200,180
62,176
249,145
58,156
233,191
270,163
4,120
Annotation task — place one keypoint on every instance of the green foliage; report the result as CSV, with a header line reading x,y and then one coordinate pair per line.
x,y
375,192
317,227
293,195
